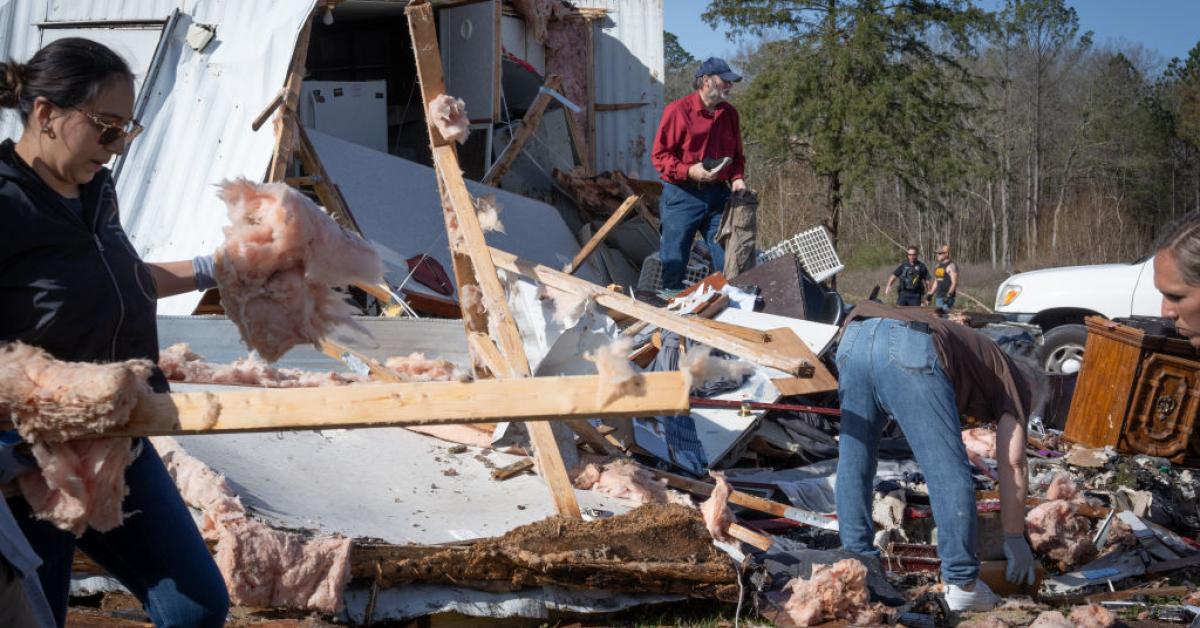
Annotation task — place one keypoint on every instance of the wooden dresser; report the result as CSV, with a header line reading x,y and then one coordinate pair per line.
x,y
1138,392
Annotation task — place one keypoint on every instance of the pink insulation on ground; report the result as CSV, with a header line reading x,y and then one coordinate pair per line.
x,y
262,566
1062,487
415,367
622,478
618,378
280,261
181,364
1051,619
700,365
449,116
79,483
1059,532
715,509
833,592
1092,616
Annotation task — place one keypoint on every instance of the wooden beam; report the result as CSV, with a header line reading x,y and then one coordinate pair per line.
x,y
580,145
270,109
289,99
529,125
619,106
750,537
397,405
755,352
600,235
457,200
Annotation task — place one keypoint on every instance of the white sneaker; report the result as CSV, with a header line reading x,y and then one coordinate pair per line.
x,y
979,598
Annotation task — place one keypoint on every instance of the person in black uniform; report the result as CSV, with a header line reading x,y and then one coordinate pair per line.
x,y
72,284
912,274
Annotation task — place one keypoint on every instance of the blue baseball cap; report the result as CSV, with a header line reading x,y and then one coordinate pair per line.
x,y
717,65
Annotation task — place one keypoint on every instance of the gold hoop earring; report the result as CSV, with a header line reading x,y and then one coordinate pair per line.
x,y
48,131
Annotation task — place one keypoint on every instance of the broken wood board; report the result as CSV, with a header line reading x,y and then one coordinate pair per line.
x,y
379,405
600,235
654,548
655,316
529,124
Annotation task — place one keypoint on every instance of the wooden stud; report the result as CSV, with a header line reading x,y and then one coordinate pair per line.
x,y
529,125
750,537
796,361
507,471
746,500
619,106
270,109
580,144
600,235
290,97
397,405
458,200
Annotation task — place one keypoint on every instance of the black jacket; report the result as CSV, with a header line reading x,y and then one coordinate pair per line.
x,y
70,284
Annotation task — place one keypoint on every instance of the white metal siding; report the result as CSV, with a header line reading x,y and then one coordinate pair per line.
x,y
111,11
628,62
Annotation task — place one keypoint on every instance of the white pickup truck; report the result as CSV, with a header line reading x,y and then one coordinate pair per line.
x,y
1058,299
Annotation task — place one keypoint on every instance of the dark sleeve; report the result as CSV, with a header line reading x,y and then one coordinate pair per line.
x,y
896,273
925,272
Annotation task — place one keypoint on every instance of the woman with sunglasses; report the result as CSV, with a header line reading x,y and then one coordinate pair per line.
x,y
72,283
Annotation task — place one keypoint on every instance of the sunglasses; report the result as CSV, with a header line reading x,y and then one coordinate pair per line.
x,y
110,132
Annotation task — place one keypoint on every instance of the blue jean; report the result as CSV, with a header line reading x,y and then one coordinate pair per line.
x,y
685,210
887,368
157,553
945,302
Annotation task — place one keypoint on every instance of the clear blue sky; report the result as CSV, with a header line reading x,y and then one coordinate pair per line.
x,y
1172,27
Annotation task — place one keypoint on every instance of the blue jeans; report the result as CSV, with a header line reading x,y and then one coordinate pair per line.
x,y
944,302
157,553
685,210
887,368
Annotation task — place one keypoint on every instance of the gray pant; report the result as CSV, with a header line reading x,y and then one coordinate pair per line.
x,y
15,609
738,230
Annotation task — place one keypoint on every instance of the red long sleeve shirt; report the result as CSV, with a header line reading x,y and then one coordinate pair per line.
x,y
688,133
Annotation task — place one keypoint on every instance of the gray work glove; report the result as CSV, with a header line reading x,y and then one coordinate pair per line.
x,y
204,269
1022,566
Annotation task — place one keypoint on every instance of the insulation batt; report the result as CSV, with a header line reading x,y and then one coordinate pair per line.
x,y
180,364
472,299
715,509
617,375
488,210
281,258
568,306
1051,619
78,483
536,13
1057,530
1092,616
262,566
833,592
415,367
699,365
449,115
626,480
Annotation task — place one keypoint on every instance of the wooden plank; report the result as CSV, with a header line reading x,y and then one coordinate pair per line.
x,y
600,235
581,146
785,340
402,404
619,106
750,537
748,333
507,471
284,140
456,199
375,369
270,109
795,361
529,125
746,500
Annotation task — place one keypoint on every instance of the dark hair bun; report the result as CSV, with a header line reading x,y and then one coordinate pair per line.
x,y
11,81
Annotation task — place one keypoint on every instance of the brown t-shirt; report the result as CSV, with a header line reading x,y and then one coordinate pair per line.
x,y
987,383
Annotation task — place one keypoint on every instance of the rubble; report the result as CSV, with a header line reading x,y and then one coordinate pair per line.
x,y
833,592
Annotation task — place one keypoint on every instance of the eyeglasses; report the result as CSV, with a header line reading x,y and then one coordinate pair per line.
x,y
943,252
110,132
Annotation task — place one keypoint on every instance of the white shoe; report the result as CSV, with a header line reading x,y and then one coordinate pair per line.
x,y
979,598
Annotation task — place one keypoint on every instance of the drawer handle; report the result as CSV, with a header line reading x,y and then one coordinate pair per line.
x,y
1165,405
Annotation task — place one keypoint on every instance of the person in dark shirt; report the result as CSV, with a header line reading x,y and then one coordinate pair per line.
x,y
925,372
944,288
912,275
698,154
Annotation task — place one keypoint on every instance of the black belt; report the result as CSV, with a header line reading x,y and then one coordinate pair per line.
x,y
920,326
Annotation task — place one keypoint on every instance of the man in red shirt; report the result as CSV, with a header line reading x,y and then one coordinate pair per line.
x,y
698,153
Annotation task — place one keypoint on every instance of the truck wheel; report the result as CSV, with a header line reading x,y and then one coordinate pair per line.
x,y
1062,349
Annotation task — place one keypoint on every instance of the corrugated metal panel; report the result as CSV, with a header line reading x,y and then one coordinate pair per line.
x,y
18,41
122,10
628,68
198,133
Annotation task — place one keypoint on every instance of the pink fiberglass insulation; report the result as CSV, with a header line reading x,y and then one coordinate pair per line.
x,y
261,566
53,401
415,367
568,306
566,56
1058,531
280,261
833,592
617,375
626,480
700,365
472,299
180,364
449,115
1062,487
488,210
1051,619
79,483
715,509
1092,616
536,13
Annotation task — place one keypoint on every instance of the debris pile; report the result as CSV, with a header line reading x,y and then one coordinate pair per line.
x,y
833,592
